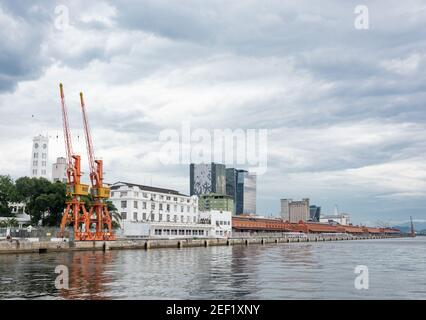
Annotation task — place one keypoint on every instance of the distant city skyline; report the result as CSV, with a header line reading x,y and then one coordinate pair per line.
x,y
344,108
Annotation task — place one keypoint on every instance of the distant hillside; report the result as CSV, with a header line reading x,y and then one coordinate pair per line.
x,y
420,227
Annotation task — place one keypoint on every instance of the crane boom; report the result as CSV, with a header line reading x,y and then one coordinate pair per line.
x,y
94,177
67,133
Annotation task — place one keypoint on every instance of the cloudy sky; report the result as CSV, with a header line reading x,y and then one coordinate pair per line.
x,y
344,108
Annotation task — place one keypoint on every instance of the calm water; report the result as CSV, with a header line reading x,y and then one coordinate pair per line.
x,y
397,270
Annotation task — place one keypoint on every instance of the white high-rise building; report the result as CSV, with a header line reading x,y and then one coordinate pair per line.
x,y
59,170
40,157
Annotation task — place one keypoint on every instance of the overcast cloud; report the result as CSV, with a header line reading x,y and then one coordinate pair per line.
x,y
344,108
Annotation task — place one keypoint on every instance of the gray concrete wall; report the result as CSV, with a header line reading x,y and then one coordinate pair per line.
x,y
19,246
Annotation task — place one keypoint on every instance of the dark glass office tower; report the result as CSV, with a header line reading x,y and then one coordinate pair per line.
x,y
314,213
231,184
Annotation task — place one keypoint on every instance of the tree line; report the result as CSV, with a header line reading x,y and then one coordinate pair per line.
x,y
44,200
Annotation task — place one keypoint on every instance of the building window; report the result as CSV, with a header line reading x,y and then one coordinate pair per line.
x,y
160,206
168,198
161,197
181,232
35,171
144,216
123,215
135,216
153,206
123,204
181,208
144,205
145,195
35,163
188,219
158,232
43,163
174,232
168,208
181,218
175,199
152,217
123,194
175,207
194,219
135,204
168,218
175,218
43,172
160,217
188,232
136,194
35,155
187,209
44,155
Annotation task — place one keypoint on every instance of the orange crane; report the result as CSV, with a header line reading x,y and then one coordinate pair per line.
x,y
75,211
99,192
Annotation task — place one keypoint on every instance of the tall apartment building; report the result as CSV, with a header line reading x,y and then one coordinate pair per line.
x,y
39,157
295,211
207,178
59,170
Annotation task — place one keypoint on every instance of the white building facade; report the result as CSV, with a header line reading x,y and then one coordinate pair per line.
x,y
220,221
139,203
39,157
163,213
59,170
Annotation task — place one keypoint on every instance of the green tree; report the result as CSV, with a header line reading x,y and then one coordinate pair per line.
x,y
44,200
7,194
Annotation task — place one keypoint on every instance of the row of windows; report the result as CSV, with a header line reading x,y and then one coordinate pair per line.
x,y
161,217
175,232
43,155
223,223
43,163
43,172
161,206
124,194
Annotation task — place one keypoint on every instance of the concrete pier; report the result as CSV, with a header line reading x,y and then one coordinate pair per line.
x,y
22,246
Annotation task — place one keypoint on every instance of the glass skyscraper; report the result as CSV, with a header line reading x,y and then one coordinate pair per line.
x,y
241,185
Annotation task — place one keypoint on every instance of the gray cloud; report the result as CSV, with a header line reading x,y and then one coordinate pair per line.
x,y
341,105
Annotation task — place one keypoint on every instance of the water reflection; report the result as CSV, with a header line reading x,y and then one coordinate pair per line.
x,y
272,271
87,277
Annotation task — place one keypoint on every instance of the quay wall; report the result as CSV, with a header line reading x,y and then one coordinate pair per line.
x,y
20,246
